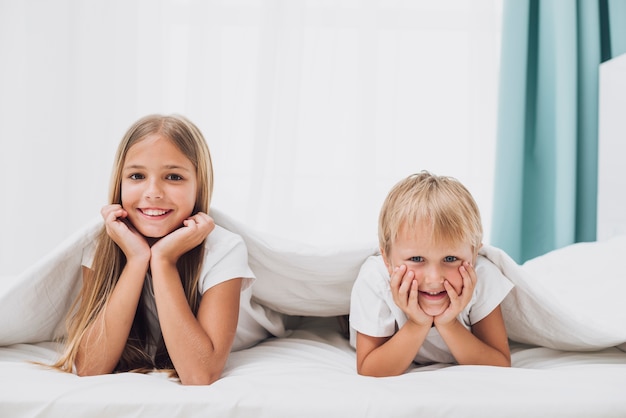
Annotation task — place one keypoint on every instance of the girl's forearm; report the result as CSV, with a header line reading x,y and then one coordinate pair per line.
x,y
196,357
104,340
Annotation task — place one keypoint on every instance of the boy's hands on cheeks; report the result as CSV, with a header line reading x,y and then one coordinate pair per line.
x,y
404,291
458,301
194,230
131,242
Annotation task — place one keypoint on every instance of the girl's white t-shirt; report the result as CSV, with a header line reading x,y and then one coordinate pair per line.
x,y
373,311
225,258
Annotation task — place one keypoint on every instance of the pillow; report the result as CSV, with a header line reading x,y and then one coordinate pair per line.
x,y
589,279
298,279
567,299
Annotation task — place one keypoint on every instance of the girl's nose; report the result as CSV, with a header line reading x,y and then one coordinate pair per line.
x,y
154,190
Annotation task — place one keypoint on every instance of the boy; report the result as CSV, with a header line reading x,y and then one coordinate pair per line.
x,y
428,297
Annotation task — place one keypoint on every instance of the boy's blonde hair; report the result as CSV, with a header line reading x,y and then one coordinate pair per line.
x,y
442,202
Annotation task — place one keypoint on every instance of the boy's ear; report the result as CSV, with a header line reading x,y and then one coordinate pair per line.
x,y
476,251
386,260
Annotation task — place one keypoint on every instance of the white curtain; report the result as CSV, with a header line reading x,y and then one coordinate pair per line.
x,y
312,109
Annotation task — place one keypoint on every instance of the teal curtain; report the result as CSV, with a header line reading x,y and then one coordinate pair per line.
x,y
545,188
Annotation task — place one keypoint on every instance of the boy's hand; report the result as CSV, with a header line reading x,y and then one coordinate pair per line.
x,y
458,301
131,242
404,291
194,230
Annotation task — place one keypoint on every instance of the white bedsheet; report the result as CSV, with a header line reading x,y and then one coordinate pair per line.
x,y
570,299
311,373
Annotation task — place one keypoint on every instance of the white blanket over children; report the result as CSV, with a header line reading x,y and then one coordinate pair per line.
x,y
570,299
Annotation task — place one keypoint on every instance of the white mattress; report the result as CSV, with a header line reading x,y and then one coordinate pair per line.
x,y
311,373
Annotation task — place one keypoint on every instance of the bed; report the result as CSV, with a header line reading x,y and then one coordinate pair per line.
x,y
566,320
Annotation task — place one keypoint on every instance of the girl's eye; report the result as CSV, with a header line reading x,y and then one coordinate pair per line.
x,y
173,177
450,259
416,259
136,176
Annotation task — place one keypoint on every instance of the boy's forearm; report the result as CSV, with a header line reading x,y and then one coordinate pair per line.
x,y
469,349
394,356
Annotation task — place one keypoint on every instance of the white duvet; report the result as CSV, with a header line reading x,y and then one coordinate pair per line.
x,y
569,299
565,317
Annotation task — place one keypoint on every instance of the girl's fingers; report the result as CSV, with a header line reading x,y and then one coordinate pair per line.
x,y
111,213
200,220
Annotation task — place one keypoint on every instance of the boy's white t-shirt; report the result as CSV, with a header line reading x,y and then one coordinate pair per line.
x,y
373,311
225,258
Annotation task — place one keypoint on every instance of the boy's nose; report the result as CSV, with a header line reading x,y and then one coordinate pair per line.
x,y
433,276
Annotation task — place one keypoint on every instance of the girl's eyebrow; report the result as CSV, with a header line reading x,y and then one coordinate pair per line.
x,y
175,167
133,167
167,167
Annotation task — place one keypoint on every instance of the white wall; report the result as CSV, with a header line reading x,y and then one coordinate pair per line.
x,y
312,109
612,149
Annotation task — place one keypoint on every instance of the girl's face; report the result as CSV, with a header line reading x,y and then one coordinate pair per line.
x,y
159,186
432,263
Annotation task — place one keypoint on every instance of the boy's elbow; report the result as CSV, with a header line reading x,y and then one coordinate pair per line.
x,y
372,372
502,360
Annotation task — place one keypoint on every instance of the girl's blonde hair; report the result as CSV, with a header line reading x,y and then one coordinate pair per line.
x,y
442,202
109,260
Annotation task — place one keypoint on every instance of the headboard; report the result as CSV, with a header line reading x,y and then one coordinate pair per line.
x,y
611,220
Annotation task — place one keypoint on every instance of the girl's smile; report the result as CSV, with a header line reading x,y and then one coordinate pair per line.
x,y
153,213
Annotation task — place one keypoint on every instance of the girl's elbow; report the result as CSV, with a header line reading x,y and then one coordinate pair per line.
x,y
362,372
503,360
200,379
87,371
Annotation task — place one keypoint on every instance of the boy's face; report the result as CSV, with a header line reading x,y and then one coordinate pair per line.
x,y
431,262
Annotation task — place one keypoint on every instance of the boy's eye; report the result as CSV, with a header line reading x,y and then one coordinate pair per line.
x,y
173,177
136,176
416,259
450,259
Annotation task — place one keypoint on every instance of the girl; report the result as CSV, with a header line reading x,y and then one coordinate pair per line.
x,y
161,287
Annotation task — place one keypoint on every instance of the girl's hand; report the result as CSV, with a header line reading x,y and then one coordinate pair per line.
x,y
195,229
458,301
131,242
404,291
